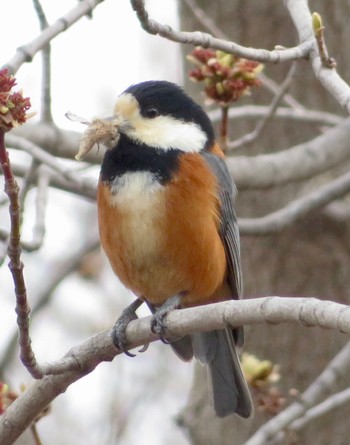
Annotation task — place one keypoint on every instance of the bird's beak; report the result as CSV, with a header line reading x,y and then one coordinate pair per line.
x,y
100,131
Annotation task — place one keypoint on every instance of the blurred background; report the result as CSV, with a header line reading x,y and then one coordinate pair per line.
x,y
153,398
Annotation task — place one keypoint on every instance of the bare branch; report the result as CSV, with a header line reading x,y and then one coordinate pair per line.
x,y
274,88
59,143
25,53
299,115
330,79
252,136
295,210
27,182
16,265
205,20
333,402
60,270
318,28
206,40
39,228
45,158
45,113
295,164
320,388
83,190
82,359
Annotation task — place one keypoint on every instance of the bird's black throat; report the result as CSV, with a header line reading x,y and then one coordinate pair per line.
x,y
130,157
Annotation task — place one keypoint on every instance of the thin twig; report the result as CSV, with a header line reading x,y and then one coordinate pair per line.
x,y
261,125
327,62
86,188
3,251
27,182
274,87
60,270
45,113
333,402
224,127
39,228
49,160
318,390
297,115
35,434
16,265
205,20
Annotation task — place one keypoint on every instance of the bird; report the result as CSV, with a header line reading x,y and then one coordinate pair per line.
x,y
168,226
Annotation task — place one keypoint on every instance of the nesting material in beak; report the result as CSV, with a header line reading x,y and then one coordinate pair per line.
x,y
99,131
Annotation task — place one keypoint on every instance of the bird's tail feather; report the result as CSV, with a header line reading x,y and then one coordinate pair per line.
x,y
230,391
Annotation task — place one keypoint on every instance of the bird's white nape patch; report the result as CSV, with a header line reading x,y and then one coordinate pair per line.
x,y
164,131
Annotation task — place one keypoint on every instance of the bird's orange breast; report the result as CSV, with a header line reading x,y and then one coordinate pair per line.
x,y
163,240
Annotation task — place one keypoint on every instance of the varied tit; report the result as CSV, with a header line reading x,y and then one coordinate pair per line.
x,y
169,229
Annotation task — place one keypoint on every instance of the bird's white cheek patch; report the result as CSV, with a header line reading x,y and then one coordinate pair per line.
x,y
166,132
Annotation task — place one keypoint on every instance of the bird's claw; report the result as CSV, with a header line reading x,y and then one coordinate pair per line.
x,y
119,329
119,336
144,348
158,326
158,321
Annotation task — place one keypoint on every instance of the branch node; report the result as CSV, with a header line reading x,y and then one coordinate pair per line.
x,y
27,56
342,323
269,318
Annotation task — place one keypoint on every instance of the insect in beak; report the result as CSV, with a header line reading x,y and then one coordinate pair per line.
x,y
99,131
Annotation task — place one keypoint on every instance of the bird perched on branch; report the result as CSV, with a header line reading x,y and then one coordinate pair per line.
x,y
168,225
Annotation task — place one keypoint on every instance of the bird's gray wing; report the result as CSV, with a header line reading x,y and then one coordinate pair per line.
x,y
229,227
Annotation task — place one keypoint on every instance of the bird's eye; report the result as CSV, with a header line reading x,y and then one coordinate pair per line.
x,y
151,112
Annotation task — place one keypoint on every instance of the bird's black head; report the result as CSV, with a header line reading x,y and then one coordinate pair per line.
x,y
161,115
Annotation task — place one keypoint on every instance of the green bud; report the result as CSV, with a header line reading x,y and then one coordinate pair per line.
x,y
316,22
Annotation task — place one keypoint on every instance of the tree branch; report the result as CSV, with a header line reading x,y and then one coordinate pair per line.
x,y
16,266
324,383
25,53
45,114
206,40
294,164
82,359
297,209
261,125
295,114
84,191
85,184
60,270
333,402
330,79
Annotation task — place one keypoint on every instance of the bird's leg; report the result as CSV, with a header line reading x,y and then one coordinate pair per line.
x,y
158,325
153,309
119,329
